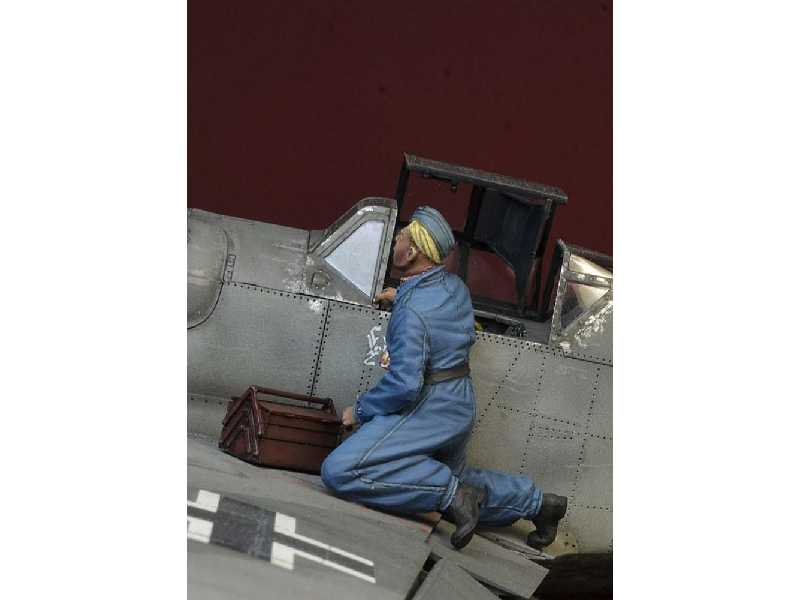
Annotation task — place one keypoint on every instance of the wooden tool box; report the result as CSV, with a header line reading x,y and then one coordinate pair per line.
x,y
277,434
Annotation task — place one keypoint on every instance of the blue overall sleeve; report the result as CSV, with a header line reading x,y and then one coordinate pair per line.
x,y
408,348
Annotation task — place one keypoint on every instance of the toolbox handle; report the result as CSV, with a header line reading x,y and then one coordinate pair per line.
x,y
233,406
327,403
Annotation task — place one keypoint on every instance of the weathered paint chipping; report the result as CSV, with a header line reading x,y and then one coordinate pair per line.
x,y
594,324
316,305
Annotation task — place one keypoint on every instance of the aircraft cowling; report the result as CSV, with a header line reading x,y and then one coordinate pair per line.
x,y
206,254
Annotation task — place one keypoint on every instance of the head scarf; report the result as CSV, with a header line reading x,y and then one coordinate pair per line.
x,y
431,233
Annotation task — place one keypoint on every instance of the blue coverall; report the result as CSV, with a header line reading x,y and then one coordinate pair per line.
x,y
409,453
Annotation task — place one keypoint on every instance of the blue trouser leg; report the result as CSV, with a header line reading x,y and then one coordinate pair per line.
x,y
509,497
389,462
412,462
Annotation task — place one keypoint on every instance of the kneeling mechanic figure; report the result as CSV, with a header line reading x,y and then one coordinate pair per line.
x,y
409,453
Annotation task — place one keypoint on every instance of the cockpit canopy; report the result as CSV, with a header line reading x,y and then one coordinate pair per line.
x,y
583,307
346,262
504,234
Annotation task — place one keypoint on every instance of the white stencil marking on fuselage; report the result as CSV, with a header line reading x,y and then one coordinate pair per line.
x,y
377,345
283,555
199,530
205,501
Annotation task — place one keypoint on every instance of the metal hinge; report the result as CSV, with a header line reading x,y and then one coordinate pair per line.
x,y
230,263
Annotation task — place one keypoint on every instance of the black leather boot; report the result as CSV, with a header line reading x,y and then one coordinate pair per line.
x,y
552,511
463,512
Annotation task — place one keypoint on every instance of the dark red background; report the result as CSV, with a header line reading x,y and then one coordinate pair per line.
x,y
297,109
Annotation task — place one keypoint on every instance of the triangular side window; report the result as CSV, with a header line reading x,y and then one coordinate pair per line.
x,y
356,257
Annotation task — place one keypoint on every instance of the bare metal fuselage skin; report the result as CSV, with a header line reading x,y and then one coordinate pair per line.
x,y
266,307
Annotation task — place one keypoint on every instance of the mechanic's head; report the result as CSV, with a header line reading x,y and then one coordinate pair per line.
x,y
427,240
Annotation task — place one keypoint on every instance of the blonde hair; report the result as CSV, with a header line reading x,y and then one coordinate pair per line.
x,y
424,241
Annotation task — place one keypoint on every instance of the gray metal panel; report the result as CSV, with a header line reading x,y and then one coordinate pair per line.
x,y
490,360
567,389
204,414
256,336
448,581
497,443
346,348
593,483
551,456
507,437
521,388
595,526
602,421
595,474
267,255
489,563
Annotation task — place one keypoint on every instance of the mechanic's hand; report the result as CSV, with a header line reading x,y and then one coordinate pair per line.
x,y
387,295
348,418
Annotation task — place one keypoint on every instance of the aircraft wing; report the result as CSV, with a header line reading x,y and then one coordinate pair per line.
x,y
261,533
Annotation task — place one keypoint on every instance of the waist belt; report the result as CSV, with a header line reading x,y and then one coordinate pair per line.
x,y
447,374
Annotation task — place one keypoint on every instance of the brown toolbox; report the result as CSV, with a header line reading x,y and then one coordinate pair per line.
x,y
275,434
